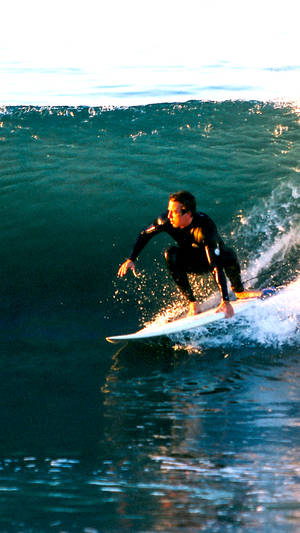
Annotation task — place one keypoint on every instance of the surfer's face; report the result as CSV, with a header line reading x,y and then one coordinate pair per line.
x,y
177,216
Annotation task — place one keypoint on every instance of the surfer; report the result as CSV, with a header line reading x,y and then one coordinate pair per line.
x,y
200,250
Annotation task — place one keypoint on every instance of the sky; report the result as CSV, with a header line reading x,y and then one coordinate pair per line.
x,y
71,33
102,36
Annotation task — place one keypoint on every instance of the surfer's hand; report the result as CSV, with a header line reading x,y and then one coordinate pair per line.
x,y
124,268
226,308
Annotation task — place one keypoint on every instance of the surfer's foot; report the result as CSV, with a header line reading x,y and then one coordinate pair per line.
x,y
194,309
252,293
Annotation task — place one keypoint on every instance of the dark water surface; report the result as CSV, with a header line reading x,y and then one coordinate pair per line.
x,y
199,433
156,441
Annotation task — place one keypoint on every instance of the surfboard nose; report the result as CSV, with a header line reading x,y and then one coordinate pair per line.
x,y
113,340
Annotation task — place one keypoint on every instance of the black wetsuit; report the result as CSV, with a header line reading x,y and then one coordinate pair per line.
x,y
200,249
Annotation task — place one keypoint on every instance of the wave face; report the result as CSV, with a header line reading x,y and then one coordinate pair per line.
x,y
202,430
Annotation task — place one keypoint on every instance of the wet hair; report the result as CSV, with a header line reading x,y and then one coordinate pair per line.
x,y
186,199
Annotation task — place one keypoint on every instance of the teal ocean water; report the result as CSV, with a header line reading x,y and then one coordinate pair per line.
x,y
200,433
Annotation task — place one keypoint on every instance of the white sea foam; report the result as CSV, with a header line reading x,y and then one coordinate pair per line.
x,y
277,251
273,322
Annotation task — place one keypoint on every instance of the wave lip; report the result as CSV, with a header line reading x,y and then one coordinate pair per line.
x,y
146,84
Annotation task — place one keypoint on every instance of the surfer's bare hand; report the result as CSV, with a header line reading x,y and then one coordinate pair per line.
x,y
128,264
226,308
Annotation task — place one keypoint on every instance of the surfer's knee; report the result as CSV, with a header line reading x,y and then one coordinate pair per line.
x,y
170,256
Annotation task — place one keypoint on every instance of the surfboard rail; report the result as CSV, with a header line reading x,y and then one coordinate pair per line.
x,y
189,322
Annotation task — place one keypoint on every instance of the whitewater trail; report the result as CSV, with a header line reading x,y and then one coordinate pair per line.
x,y
273,322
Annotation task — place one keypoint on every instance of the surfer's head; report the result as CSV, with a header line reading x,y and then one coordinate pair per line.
x,y
186,199
181,209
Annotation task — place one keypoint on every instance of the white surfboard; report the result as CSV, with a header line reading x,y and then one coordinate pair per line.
x,y
187,323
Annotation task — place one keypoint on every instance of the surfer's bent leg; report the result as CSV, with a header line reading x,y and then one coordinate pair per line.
x,y
178,271
232,269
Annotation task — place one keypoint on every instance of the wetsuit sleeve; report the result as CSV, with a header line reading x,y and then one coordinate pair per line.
x,y
218,274
211,241
147,234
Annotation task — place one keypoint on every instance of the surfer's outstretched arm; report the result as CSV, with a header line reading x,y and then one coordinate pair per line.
x,y
128,264
143,238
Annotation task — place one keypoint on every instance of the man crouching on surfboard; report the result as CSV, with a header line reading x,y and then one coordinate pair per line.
x,y
200,250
